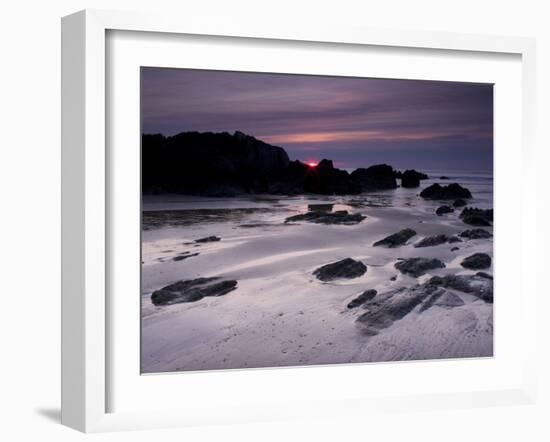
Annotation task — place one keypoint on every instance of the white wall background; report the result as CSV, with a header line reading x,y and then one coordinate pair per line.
x,y
30,220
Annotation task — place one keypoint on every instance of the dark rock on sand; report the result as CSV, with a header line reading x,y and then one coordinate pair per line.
x,y
411,178
476,285
454,239
441,210
443,177
418,266
254,225
431,241
392,306
362,298
442,298
378,177
184,255
192,290
459,203
476,261
452,191
477,217
484,275
475,234
413,174
397,239
346,268
321,217
208,239
454,249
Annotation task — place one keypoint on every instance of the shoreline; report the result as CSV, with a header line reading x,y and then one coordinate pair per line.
x,y
280,314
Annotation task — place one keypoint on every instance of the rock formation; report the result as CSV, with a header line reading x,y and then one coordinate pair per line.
x,y
450,192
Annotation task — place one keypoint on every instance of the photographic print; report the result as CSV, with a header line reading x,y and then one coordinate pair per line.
x,y
297,220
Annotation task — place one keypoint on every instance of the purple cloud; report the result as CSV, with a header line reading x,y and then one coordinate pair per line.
x,y
354,121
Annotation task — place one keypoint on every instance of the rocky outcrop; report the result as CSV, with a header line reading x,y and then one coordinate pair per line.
x,y
431,241
378,177
208,239
442,298
392,306
346,268
418,266
322,217
450,192
367,295
442,210
476,261
442,292
411,178
210,164
409,182
413,174
184,255
477,285
324,179
477,217
192,290
325,164
397,239
291,181
475,234
225,165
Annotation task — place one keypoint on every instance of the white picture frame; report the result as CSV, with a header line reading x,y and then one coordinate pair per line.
x,y
85,216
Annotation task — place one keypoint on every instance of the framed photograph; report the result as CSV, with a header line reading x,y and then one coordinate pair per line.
x,y
263,222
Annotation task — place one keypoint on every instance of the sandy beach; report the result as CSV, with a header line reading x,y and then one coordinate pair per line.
x,y
280,314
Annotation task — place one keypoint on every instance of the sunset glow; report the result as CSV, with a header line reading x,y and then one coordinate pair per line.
x,y
356,121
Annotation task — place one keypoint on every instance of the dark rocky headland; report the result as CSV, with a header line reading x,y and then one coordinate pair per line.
x,y
224,164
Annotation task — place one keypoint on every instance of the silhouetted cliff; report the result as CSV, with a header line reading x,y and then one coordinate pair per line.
x,y
222,164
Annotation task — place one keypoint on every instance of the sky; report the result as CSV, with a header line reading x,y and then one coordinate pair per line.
x,y
356,122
